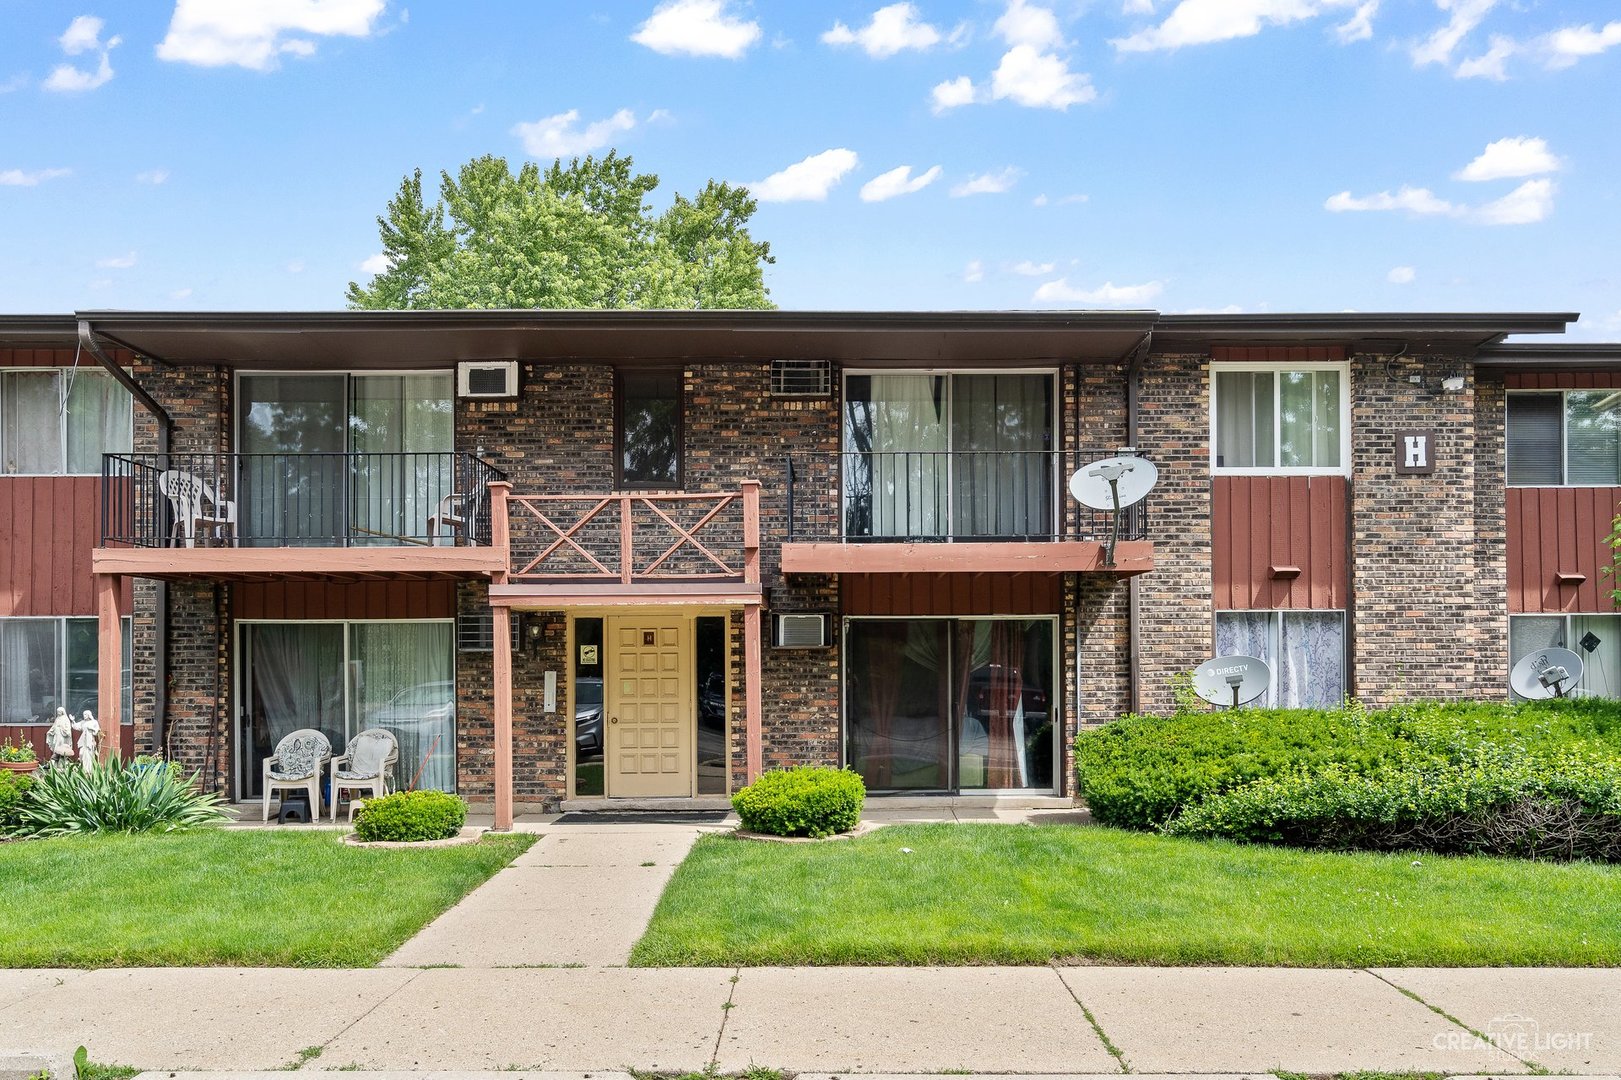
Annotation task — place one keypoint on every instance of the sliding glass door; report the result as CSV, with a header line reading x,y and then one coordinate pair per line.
x,y
341,678
948,456
950,704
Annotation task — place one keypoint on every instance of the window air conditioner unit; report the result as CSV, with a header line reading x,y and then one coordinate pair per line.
x,y
801,631
487,379
802,378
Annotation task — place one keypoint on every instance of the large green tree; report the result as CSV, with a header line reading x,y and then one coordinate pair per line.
x,y
581,235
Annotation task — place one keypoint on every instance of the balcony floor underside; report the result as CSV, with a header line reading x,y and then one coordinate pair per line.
x,y
966,557
300,563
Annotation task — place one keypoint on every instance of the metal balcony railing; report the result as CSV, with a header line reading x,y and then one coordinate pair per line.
x,y
945,496
295,500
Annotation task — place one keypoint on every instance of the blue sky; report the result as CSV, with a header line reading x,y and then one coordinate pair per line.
x,y
1201,155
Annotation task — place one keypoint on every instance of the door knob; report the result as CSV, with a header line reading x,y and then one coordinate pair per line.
x,y
613,719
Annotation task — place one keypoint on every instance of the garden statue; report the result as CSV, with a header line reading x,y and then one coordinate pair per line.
x,y
59,736
89,740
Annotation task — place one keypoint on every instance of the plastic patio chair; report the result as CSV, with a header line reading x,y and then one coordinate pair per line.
x,y
366,765
298,762
188,495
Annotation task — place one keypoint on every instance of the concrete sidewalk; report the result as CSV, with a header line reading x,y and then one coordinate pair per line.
x,y
1079,1020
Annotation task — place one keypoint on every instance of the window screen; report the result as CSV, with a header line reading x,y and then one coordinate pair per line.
x,y
1535,439
1593,437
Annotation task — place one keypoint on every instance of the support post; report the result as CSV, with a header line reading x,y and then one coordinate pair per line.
x,y
751,692
109,665
501,674
751,532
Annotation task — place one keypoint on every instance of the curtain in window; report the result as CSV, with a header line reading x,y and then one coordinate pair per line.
x,y
1593,437
31,423
30,670
392,497
1535,439
1309,419
100,418
898,438
402,679
289,500
1310,672
296,674
1002,480
897,735
1244,415
1246,633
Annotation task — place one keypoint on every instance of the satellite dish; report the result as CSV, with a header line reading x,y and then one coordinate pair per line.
x,y
1111,484
1232,680
1546,673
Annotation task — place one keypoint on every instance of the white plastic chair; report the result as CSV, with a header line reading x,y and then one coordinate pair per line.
x,y
187,494
367,765
298,762
457,512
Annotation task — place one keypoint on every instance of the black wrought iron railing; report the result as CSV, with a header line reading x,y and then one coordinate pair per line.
x,y
945,496
295,500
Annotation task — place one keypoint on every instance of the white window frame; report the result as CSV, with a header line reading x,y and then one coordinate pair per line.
x,y
66,374
1342,469
1564,436
1564,617
125,682
1274,643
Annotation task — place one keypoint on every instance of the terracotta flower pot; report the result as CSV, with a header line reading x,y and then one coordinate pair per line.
x,y
19,766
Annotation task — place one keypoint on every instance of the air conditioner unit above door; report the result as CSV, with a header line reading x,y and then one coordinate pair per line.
x,y
487,379
801,631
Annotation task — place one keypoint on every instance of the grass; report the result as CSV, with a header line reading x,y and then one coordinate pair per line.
x,y
1000,894
227,897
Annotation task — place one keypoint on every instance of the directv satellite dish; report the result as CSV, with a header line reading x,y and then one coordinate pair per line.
x,y
1232,680
1546,673
1111,484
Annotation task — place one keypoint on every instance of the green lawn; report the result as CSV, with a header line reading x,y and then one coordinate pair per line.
x,y
227,897
1007,894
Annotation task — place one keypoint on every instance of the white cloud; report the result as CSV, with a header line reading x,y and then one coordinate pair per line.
x,y
1108,294
82,35
1418,201
1029,24
376,264
1200,22
1464,16
1359,27
116,262
13,84
1401,275
891,29
21,178
1491,63
897,181
295,266
152,176
1137,7
179,294
1565,47
697,28
1063,200
974,272
1039,200
807,180
1033,269
952,93
661,116
1039,80
559,137
988,183
220,33
1527,204
1510,158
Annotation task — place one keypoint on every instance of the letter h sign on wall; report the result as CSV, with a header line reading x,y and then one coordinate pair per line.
x,y
1415,452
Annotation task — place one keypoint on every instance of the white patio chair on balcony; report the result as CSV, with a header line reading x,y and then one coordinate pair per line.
x,y
195,504
456,512
367,765
298,762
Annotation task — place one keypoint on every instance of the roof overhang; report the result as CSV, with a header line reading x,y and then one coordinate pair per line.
x,y
1360,332
1565,356
38,331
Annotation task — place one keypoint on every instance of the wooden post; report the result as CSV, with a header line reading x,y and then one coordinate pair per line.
x,y
627,544
751,692
109,665
751,532
501,674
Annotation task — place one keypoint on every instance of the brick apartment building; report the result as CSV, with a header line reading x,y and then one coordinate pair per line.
x,y
566,555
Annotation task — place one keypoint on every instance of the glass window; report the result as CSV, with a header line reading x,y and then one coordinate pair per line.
x,y
589,733
1565,437
1304,649
41,434
713,756
650,429
100,420
1595,638
1279,419
50,663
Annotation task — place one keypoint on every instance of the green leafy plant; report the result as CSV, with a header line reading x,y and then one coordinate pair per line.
x,y
410,816
17,753
115,796
14,790
807,801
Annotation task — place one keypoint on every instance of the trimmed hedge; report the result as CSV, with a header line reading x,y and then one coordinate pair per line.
x,y
411,815
1496,801
1141,771
810,800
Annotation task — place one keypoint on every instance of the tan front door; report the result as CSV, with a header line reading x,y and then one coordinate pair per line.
x,y
649,704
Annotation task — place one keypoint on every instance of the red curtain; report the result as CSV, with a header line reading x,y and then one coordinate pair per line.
x,y
1006,693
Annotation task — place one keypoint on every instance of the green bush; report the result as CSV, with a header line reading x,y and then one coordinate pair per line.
x,y
411,815
115,796
14,788
811,800
1141,771
1493,801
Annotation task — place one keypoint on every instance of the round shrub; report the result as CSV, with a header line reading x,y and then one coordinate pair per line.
x,y
808,801
13,791
411,815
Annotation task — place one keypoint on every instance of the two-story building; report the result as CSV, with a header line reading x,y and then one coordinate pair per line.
x,y
572,556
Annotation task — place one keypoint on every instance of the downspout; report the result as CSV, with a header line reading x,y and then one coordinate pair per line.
x,y
1134,377
160,646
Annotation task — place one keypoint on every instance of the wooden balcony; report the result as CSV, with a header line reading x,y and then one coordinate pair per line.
x,y
627,548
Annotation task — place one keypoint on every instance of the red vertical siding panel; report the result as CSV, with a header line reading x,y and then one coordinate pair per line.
x,y
1582,557
9,584
1548,549
23,568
